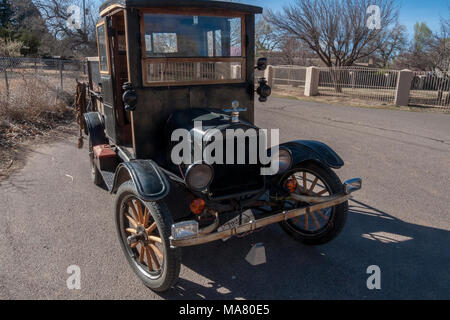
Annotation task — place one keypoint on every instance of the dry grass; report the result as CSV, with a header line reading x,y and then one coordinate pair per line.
x,y
33,107
35,112
364,99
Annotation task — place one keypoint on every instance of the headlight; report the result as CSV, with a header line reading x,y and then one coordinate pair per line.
x,y
285,160
199,176
184,229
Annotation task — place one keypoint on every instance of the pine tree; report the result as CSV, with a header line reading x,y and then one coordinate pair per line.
x,y
6,13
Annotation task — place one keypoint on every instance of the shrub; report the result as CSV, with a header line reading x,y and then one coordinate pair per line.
x,y
33,106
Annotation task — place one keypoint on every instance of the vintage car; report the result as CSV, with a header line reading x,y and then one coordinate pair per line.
x,y
165,66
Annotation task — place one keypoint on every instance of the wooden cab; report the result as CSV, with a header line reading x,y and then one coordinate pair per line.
x,y
176,55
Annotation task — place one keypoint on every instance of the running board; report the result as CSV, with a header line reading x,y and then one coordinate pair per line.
x,y
108,178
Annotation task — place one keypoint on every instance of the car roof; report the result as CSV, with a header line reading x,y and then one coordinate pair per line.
x,y
232,6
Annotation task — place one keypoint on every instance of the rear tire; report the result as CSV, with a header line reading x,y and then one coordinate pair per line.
x,y
158,279
333,219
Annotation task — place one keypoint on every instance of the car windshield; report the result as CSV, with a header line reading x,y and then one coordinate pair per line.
x,y
169,35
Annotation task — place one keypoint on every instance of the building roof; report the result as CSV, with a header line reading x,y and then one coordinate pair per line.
x,y
232,6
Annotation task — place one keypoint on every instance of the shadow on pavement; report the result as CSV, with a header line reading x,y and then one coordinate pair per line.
x,y
414,262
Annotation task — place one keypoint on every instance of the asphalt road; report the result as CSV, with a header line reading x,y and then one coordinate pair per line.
x,y
52,217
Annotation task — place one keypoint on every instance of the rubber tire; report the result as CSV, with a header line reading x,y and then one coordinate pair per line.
x,y
338,218
96,176
163,218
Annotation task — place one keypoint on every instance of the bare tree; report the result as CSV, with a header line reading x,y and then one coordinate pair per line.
x,y
337,30
440,52
294,52
393,45
57,13
440,48
267,39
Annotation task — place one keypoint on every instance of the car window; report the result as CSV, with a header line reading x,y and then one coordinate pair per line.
x,y
103,52
170,35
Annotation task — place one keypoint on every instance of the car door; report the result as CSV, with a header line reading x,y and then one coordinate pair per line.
x,y
106,78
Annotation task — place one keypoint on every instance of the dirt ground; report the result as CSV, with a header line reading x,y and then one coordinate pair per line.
x,y
13,157
35,111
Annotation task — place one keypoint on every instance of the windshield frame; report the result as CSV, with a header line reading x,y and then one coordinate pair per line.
x,y
195,12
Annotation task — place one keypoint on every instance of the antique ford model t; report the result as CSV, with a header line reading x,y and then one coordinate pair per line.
x,y
166,66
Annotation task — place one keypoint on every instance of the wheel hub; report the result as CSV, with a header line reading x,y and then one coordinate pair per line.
x,y
140,236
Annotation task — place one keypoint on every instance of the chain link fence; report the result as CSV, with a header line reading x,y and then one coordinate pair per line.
x,y
54,76
35,95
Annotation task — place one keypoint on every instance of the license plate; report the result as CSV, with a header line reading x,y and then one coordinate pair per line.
x,y
247,216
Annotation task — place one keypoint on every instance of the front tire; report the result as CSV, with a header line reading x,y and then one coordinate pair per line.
x,y
151,258
323,226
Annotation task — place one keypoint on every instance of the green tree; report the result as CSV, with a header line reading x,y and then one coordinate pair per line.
x,y
423,37
30,40
22,23
6,13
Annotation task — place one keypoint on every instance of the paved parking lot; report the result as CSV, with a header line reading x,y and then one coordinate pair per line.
x,y
52,216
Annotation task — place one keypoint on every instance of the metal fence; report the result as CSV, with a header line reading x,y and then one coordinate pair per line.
x,y
430,89
294,76
53,74
360,83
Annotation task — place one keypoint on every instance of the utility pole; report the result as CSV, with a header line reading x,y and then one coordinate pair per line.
x,y
84,18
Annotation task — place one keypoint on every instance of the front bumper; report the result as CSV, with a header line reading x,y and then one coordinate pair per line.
x,y
259,223
349,187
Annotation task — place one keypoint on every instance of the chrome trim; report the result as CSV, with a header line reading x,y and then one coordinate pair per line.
x,y
352,185
182,224
292,159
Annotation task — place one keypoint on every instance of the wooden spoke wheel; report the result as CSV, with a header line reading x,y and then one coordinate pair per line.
x,y
320,226
307,183
144,230
144,239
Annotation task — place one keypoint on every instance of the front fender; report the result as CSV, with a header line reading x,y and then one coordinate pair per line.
x,y
150,182
304,150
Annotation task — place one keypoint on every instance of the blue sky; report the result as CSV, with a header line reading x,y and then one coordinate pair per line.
x,y
411,11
